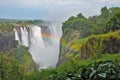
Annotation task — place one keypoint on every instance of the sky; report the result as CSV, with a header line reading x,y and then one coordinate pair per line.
x,y
56,10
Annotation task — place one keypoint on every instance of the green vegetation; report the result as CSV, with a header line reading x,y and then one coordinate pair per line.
x,y
95,68
7,25
91,50
24,58
14,64
9,68
114,23
101,44
93,25
77,28
95,38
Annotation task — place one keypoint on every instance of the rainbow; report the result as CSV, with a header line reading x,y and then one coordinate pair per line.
x,y
50,37
57,40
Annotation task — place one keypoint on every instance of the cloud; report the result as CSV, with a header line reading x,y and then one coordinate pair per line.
x,y
36,3
62,9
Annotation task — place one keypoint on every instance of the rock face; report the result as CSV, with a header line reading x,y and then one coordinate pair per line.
x,y
68,38
7,41
101,44
112,45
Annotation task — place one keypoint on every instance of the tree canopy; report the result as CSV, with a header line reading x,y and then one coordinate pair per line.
x,y
95,24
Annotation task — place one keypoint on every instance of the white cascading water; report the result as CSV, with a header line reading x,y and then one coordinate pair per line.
x,y
24,36
43,43
16,36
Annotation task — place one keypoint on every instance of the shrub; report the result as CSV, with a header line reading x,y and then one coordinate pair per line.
x,y
9,68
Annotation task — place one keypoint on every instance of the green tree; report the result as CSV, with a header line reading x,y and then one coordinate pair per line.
x,y
114,23
105,12
9,68
80,15
83,25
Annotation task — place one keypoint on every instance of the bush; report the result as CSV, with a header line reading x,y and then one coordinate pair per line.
x,y
102,70
9,68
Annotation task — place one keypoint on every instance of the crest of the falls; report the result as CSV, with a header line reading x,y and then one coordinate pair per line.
x,y
43,43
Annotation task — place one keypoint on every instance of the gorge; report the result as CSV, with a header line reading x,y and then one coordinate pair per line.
x,y
42,41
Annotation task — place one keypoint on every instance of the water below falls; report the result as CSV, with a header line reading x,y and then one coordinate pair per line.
x,y
43,43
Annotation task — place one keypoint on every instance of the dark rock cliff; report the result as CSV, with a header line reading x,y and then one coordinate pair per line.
x,y
7,41
101,44
67,40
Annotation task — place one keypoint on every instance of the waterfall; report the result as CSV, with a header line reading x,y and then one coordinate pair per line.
x,y
24,35
43,43
16,36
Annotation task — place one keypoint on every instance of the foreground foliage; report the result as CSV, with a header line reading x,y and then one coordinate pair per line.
x,y
102,70
9,68
106,67
105,70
